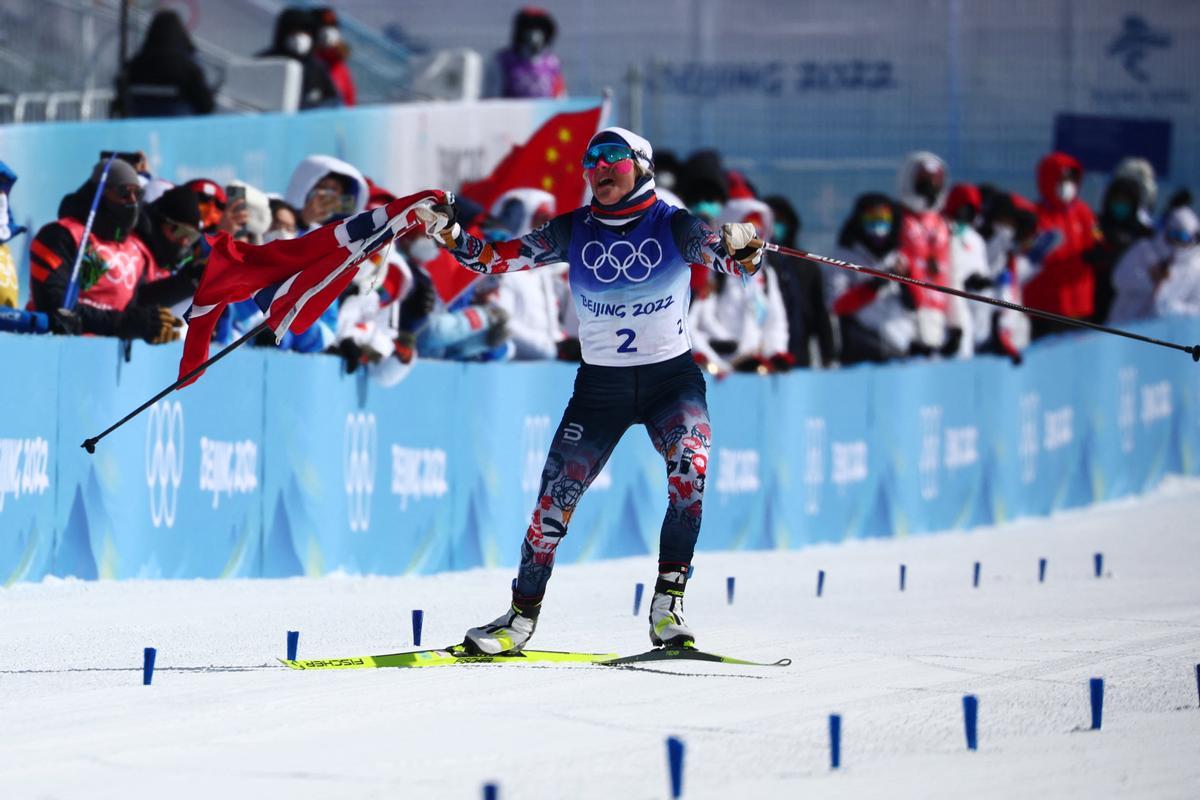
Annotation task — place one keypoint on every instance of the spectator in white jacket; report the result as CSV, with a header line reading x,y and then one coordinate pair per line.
x,y
530,297
752,312
1161,274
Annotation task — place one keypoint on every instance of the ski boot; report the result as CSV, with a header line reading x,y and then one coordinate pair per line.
x,y
668,628
507,634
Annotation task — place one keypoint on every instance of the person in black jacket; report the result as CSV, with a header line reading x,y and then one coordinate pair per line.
x,y
163,79
802,287
295,32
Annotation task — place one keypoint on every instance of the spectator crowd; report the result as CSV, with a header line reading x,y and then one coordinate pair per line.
x,y
147,248
165,78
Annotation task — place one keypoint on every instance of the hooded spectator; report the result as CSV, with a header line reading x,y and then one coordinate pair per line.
x,y
531,298
295,32
164,78
877,319
810,331
9,229
1141,172
1122,223
334,53
1160,274
1009,225
1066,283
248,213
925,243
968,261
750,313
527,68
115,261
325,188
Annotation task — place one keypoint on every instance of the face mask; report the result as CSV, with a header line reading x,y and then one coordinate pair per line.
x,y
298,43
1003,234
1121,210
877,229
328,37
532,42
709,209
278,235
1067,191
780,231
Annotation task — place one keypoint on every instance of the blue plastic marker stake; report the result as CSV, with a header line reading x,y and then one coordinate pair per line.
x,y
975,576
1098,559
675,762
148,665
418,619
820,581
691,571
293,644
491,791
903,575
1041,570
1097,688
729,590
638,590
970,717
835,741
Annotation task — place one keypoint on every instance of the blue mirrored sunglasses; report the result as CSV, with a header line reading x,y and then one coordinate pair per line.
x,y
610,152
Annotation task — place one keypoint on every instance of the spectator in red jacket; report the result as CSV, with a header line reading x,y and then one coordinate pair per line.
x,y
1066,284
334,53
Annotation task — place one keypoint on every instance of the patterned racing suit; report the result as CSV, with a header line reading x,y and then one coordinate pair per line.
x,y
630,286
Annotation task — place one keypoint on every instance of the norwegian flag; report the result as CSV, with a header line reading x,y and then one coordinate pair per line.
x,y
292,280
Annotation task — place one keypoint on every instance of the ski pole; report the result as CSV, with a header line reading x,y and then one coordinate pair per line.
x,y
1193,350
90,444
72,295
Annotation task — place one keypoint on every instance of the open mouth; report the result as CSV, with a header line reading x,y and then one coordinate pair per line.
x,y
605,182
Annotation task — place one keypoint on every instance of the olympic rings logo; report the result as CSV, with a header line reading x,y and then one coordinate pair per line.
x,y
164,460
621,258
358,468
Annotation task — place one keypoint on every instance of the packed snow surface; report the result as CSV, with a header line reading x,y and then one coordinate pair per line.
x,y
223,718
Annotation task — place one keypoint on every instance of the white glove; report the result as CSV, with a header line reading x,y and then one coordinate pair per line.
x,y
743,245
439,223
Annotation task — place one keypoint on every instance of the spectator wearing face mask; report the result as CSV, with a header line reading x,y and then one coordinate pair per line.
x,y
248,213
925,243
1141,172
1122,224
527,68
1160,274
115,261
876,317
1009,228
283,220
9,229
968,260
324,188
703,185
295,29
1066,283
213,202
334,53
530,298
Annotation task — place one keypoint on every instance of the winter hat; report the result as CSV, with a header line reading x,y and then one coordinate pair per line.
x,y
120,173
179,205
643,153
1182,226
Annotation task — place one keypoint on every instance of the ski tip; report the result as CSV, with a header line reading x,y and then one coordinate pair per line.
x,y
783,662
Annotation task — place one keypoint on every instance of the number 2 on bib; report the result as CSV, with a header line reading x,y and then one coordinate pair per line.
x,y
627,345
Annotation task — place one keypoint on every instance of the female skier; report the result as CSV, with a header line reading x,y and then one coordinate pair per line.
x,y
629,255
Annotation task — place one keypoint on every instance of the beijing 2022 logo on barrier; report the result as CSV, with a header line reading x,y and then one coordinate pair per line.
x,y
358,468
622,258
164,460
